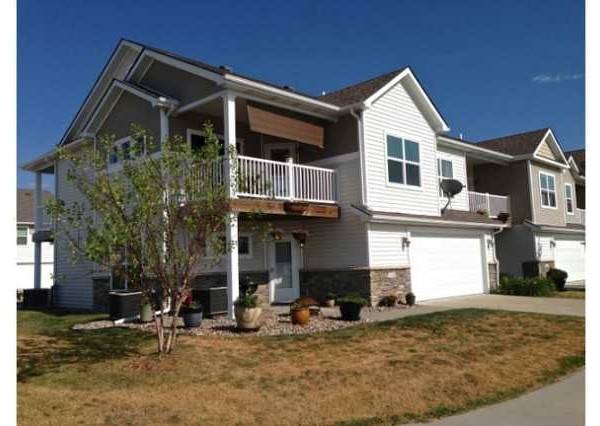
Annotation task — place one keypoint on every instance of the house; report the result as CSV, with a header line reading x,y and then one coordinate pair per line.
x,y
357,169
27,248
547,192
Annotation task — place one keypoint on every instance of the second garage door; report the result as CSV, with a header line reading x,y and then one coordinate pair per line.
x,y
569,255
445,266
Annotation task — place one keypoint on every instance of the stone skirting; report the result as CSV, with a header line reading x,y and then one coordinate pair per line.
x,y
219,279
537,268
493,276
371,284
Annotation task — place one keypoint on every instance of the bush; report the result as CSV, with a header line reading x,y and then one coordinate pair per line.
x,y
558,277
519,286
248,301
388,301
353,298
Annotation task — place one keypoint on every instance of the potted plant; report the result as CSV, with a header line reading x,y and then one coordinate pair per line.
x,y
300,310
191,311
145,309
410,298
330,300
247,312
350,307
300,235
277,234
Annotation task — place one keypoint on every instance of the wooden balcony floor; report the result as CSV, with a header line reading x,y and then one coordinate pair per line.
x,y
285,208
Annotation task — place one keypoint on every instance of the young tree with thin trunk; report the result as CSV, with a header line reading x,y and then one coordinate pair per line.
x,y
150,216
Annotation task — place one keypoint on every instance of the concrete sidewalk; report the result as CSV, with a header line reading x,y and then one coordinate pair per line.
x,y
559,404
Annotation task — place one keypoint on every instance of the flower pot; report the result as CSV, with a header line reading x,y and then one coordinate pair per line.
x,y
192,319
300,316
410,299
350,311
146,312
330,303
248,319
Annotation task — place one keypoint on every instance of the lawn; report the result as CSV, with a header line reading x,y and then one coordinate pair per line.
x,y
571,294
410,369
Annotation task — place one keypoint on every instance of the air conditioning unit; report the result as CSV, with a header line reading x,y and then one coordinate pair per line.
x,y
214,300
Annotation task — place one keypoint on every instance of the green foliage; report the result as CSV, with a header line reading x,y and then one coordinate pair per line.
x,y
331,296
248,301
353,298
519,286
410,298
389,300
558,277
303,303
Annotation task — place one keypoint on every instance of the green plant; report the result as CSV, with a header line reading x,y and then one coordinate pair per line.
x,y
303,303
248,301
190,306
519,286
483,212
389,300
410,298
353,298
331,296
558,277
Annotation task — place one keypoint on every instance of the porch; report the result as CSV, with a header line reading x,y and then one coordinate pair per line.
x,y
493,204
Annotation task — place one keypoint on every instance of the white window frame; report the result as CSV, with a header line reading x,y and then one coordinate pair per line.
x,y
404,161
292,148
571,198
26,234
117,144
440,177
549,190
189,132
248,255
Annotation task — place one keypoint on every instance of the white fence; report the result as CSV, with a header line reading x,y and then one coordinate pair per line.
x,y
493,204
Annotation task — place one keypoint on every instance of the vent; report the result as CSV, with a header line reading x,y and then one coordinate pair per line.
x,y
289,88
226,68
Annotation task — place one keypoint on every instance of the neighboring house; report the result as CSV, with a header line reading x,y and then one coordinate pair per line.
x,y
366,163
26,245
547,192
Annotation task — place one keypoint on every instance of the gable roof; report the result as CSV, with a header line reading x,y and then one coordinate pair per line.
x,y
519,144
579,158
25,207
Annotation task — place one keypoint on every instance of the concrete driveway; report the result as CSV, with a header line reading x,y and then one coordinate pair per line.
x,y
541,305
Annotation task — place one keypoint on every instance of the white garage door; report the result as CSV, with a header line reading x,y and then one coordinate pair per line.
x,y
569,255
445,266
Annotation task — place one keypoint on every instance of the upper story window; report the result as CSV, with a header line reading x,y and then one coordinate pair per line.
x,y
548,190
445,171
22,235
125,149
569,198
196,139
403,161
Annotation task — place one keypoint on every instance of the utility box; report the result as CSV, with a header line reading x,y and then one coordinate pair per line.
x,y
214,300
124,303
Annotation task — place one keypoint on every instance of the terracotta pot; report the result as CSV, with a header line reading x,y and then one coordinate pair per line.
x,y
300,316
247,319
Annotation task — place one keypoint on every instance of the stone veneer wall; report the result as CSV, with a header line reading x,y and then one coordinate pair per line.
x,y
493,276
219,279
371,284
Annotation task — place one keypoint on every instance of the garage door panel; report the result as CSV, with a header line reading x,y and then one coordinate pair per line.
x,y
569,255
445,266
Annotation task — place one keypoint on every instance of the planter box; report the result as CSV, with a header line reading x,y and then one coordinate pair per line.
x,y
36,297
124,303
214,300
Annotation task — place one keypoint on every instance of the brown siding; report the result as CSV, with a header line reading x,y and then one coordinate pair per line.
x,y
509,180
548,216
178,84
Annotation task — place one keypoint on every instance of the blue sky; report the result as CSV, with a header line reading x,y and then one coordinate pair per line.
x,y
492,68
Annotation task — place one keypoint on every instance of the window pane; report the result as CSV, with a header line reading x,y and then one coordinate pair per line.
x,y
544,181
394,147
568,191
544,198
447,169
412,151
22,231
551,183
552,197
570,206
197,142
244,245
413,175
395,172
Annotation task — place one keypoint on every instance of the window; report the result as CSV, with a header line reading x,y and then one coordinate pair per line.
x,y
126,148
444,171
548,190
403,162
244,246
22,235
196,139
569,198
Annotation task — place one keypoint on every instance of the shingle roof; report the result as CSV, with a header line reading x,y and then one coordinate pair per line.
x,y
579,157
360,91
519,144
25,204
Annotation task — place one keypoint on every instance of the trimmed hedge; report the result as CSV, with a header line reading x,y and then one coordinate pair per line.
x,y
518,286
558,277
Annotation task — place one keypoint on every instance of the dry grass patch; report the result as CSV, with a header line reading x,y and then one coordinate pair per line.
x,y
409,369
570,294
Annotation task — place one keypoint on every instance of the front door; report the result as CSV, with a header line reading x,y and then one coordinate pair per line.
x,y
283,270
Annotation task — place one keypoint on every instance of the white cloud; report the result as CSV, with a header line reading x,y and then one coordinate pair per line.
x,y
556,78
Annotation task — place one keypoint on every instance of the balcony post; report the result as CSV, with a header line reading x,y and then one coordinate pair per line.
x,y
38,218
230,142
487,200
232,261
291,180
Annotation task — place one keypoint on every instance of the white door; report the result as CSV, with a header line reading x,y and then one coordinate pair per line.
x,y
445,266
569,255
283,270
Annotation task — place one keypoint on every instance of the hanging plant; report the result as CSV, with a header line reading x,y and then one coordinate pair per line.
x,y
277,234
300,235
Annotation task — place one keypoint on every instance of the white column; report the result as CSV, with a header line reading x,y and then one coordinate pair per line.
x,y
164,125
38,219
290,183
231,233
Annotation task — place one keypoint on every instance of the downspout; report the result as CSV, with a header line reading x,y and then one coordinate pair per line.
x,y
362,154
496,260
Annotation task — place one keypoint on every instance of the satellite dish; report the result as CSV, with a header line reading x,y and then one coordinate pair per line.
x,y
450,187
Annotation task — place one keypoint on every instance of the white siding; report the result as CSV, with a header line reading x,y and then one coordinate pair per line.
x,y
25,257
544,249
395,112
73,280
459,170
385,245
254,263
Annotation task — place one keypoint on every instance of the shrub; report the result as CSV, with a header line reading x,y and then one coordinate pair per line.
x,y
519,286
353,298
248,301
558,277
389,300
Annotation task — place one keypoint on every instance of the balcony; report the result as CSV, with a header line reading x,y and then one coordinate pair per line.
x,y
490,203
577,218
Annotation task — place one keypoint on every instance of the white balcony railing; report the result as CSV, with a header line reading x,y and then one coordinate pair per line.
x,y
492,204
260,178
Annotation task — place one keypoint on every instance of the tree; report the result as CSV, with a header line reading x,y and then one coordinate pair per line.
x,y
151,217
